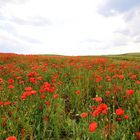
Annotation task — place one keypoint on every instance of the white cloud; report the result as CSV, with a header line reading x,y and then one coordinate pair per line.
x,y
113,7
65,27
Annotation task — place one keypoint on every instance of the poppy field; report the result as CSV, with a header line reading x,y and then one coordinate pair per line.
x,y
69,98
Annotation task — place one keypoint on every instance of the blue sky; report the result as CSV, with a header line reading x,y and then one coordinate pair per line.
x,y
70,27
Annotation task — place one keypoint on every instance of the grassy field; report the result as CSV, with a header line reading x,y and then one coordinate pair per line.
x,y
69,98
127,57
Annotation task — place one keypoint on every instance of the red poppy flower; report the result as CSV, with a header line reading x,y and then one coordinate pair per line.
x,y
98,99
99,87
11,87
7,103
1,103
56,96
10,81
1,81
33,80
103,107
48,103
43,96
23,97
118,119
98,79
33,92
84,115
92,126
107,93
11,138
119,112
137,82
133,77
121,76
28,88
96,113
130,92
137,134
126,117
77,92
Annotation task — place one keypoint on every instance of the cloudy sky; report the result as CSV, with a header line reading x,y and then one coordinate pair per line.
x,y
70,27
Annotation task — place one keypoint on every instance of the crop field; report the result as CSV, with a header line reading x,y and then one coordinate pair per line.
x,y
46,97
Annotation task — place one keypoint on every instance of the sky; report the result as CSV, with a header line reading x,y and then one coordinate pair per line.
x,y
70,27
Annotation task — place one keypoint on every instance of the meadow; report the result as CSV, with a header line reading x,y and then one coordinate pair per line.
x,y
69,98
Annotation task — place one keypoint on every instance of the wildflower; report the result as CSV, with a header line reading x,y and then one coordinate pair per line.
x,y
133,77
24,95
43,96
93,107
77,92
45,118
11,138
40,107
39,78
92,126
103,107
98,99
21,82
33,80
19,78
137,82
31,74
99,87
84,115
126,117
47,87
10,81
119,112
7,103
1,81
109,80
11,87
48,103
121,76
56,96
28,93
1,103
96,113
28,88
33,92
59,83
98,79
107,93
118,119
130,92
137,134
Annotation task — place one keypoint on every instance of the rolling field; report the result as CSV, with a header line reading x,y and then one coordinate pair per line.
x,y
69,98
